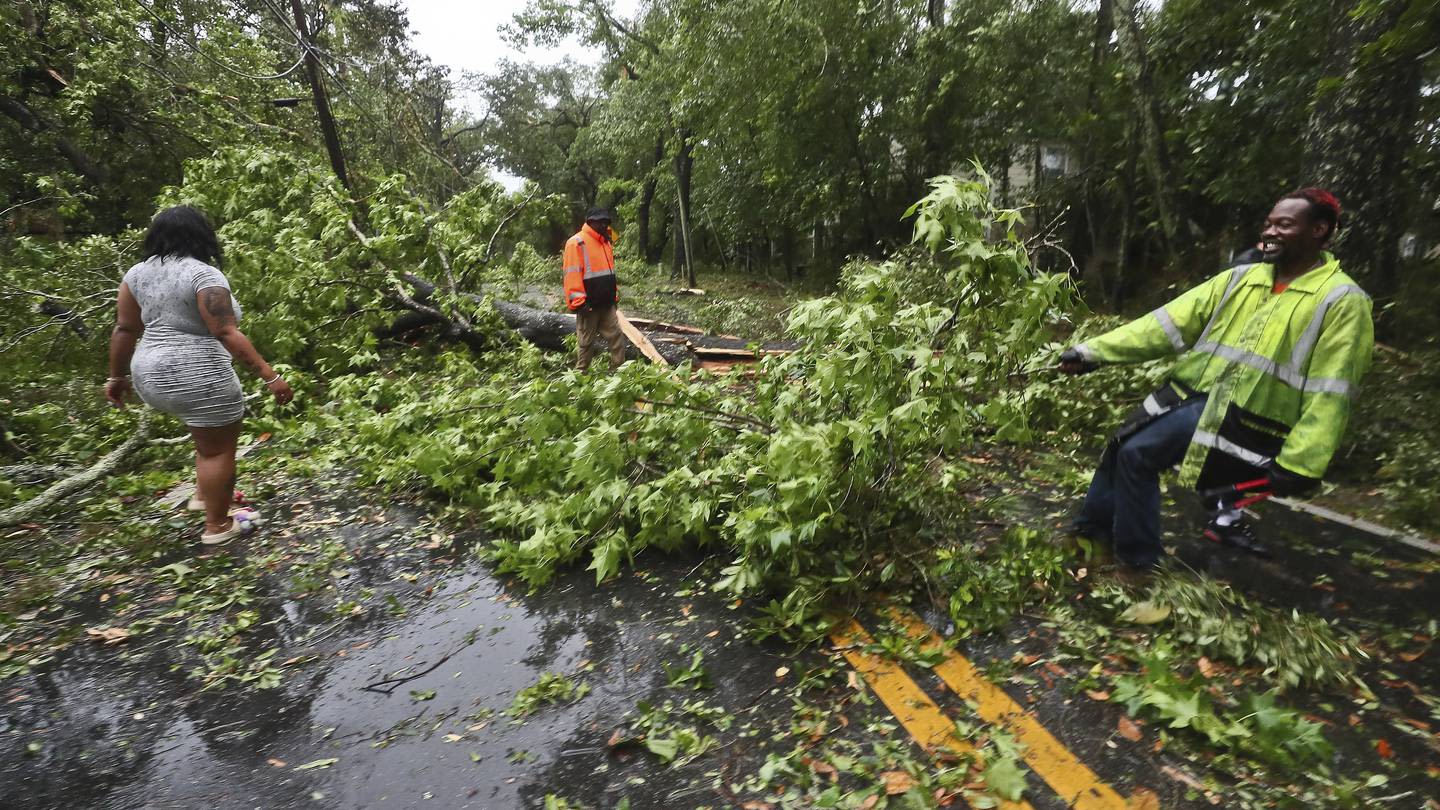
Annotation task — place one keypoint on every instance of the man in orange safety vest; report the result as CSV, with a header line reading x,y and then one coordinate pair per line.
x,y
591,290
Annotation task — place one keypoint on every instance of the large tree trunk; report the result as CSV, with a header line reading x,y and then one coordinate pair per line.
x,y
548,330
322,101
647,197
684,249
1360,131
935,13
1152,124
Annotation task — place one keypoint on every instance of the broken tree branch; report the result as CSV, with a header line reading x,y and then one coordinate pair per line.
x,y
22,513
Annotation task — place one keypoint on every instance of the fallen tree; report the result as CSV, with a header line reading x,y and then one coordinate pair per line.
x,y
548,330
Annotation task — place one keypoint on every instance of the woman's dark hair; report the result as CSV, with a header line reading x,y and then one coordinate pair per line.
x,y
183,231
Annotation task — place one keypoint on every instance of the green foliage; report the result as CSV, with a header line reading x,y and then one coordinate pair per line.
x,y
987,588
816,477
1290,648
675,733
552,687
1255,724
692,675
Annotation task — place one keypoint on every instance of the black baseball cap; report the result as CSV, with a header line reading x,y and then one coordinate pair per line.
x,y
598,214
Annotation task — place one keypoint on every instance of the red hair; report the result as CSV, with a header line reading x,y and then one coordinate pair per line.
x,y
1323,206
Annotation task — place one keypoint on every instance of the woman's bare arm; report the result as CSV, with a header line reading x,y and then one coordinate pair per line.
x,y
128,328
219,316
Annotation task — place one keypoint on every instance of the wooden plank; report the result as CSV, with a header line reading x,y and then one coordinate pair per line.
x,y
638,338
708,352
662,326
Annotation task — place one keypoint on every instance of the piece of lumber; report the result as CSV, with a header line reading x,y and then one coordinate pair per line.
x,y
639,340
710,353
661,326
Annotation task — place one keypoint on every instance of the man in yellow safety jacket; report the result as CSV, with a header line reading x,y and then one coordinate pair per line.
x,y
591,290
1270,360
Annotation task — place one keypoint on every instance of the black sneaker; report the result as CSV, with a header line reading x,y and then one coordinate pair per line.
x,y
1236,535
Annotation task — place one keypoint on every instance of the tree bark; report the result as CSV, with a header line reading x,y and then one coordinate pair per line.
x,y
1152,124
935,13
647,197
322,101
684,166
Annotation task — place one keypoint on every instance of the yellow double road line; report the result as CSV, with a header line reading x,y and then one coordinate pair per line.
x,y
1070,778
930,727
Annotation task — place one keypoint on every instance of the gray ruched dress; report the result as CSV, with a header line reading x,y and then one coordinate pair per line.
x,y
179,367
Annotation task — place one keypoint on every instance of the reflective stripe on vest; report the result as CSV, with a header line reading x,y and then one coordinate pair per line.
x,y
589,271
1229,448
1235,276
1171,330
1290,373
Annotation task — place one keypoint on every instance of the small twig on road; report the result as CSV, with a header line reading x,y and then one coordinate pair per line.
x,y
389,685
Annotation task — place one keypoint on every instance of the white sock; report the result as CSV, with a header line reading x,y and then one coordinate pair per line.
x,y
1228,516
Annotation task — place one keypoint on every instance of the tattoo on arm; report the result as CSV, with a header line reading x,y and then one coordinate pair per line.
x,y
217,303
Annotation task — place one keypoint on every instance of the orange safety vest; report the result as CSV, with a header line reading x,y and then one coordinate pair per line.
x,y
590,270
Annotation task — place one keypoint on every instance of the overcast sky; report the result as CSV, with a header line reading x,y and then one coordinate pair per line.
x,y
465,35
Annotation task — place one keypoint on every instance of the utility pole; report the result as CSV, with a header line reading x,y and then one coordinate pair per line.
x,y
322,102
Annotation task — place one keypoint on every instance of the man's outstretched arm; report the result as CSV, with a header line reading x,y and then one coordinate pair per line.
x,y
1164,332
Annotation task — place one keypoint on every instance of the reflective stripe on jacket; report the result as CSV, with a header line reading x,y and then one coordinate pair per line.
x,y
589,265
1280,370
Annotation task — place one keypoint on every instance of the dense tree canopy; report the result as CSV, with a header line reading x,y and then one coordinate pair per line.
x,y
1148,138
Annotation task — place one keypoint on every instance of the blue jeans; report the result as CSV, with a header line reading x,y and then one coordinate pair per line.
x,y
1124,498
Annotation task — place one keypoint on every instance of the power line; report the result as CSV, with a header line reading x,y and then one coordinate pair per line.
x,y
207,57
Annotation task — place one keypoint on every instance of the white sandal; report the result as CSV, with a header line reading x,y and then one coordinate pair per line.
x,y
242,522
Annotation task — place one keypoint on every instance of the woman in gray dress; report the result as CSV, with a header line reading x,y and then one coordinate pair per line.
x,y
178,299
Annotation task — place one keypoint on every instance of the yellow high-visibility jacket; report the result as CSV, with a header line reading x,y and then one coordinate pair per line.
x,y
1280,370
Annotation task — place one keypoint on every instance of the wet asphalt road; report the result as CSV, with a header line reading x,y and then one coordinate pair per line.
x,y
122,729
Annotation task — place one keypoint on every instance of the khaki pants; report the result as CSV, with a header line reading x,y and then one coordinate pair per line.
x,y
592,323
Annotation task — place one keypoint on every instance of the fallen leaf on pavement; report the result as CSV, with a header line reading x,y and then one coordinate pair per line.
x,y
757,805
1382,747
109,635
1207,667
870,801
1128,729
822,767
319,763
781,673
275,763
897,782
1098,694
1143,799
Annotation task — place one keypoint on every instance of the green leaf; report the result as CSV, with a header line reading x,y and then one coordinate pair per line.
x,y
664,747
1005,777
